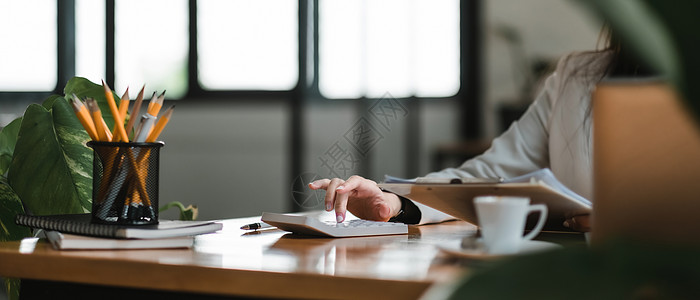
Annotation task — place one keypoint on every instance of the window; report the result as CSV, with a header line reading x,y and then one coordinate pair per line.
x,y
247,45
28,57
366,48
406,48
90,40
151,45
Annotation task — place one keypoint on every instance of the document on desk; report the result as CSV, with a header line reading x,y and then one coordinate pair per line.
x,y
455,196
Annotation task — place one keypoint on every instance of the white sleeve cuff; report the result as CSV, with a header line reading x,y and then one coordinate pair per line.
x,y
430,215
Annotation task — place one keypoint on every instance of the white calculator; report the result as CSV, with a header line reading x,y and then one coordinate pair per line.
x,y
311,225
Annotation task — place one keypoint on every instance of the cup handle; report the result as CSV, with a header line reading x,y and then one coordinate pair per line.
x,y
540,223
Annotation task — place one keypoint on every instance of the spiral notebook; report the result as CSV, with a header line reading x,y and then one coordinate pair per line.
x,y
82,224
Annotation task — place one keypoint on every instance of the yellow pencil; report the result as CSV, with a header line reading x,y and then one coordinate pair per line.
x,y
84,117
123,109
160,125
124,104
135,111
118,120
156,104
100,125
161,97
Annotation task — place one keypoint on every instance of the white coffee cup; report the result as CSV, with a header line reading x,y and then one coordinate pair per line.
x,y
502,222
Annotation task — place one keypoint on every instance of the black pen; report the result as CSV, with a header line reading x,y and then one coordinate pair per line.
x,y
256,226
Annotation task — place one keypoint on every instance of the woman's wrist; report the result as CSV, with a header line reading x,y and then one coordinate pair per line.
x,y
397,209
395,203
403,210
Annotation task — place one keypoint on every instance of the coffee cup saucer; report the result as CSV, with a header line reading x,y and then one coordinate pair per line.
x,y
477,251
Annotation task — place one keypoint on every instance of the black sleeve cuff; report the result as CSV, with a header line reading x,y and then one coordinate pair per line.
x,y
409,213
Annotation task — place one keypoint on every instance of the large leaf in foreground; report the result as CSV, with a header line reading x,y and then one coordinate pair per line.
x,y
10,206
51,170
8,139
12,288
84,88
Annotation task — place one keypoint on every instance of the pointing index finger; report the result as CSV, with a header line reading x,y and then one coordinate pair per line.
x,y
351,184
320,184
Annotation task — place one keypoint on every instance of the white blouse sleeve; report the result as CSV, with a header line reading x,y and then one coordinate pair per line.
x,y
521,149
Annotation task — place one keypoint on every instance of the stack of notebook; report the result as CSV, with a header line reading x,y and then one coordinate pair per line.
x,y
76,231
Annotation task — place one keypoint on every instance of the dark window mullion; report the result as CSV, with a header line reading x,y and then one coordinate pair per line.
x,y
65,43
109,39
314,49
469,95
296,112
193,87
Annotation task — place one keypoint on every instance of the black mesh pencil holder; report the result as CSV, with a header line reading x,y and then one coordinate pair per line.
x,y
125,182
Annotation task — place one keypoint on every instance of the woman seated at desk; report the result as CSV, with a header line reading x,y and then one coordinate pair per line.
x,y
555,133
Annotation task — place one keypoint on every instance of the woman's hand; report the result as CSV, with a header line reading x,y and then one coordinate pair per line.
x,y
580,223
360,196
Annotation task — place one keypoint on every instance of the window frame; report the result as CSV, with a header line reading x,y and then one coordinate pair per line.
x,y
316,90
468,98
195,90
308,62
65,56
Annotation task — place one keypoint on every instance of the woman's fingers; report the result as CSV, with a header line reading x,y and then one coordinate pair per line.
x,y
342,192
363,193
341,203
320,184
339,192
323,184
355,183
580,223
331,197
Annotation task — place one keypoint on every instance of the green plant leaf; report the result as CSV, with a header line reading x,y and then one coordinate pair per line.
x,y
51,170
50,101
8,139
12,288
84,88
679,19
188,213
617,270
10,206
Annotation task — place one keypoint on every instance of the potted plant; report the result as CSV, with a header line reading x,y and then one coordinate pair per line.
x,y
46,166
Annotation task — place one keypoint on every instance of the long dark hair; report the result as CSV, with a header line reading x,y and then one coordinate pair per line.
x,y
618,62
623,63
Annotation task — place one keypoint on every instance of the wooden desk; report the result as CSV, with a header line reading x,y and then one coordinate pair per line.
x,y
269,264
